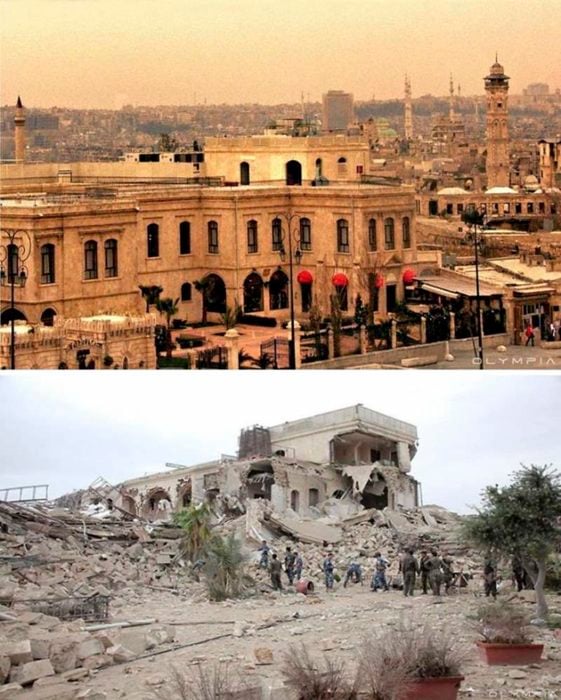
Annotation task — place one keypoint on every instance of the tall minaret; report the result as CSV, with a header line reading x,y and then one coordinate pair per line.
x,y
408,110
496,87
19,128
451,113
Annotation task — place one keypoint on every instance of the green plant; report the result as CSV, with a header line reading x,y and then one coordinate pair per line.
x,y
501,622
224,567
382,667
150,294
231,316
195,522
210,682
311,681
168,307
265,360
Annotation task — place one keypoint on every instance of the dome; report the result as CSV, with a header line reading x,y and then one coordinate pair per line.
x,y
531,183
452,190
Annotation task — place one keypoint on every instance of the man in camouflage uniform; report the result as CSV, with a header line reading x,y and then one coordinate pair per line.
x,y
409,569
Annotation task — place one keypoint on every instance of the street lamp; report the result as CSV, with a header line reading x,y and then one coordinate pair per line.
x,y
292,236
474,219
13,272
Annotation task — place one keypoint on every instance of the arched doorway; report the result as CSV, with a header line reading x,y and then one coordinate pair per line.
x,y
214,294
253,293
48,317
129,505
295,501
244,173
157,505
278,291
8,314
185,494
293,173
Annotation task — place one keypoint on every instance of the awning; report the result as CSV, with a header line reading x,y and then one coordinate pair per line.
x,y
438,290
305,277
340,280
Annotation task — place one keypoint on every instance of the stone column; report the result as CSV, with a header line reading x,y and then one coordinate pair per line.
x,y
192,354
297,332
330,344
394,334
452,325
423,330
362,340
231,337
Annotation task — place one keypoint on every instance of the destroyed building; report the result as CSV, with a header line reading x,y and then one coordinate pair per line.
x,y
336,463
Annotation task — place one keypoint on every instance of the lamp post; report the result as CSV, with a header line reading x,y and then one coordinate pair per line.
x,y
292,236
474,219
13,272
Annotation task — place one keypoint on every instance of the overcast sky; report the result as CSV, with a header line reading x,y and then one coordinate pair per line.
x,y
106,53
68,428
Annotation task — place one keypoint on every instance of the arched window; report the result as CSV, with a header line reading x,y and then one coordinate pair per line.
x,y
372,235
90,260
313,497
48,317
342,236
153,240
212,237
184,238
406,227
186,291
13,261
111,262
305,234
252,243
253,293
319,167
342,166
276,233
214,294
293,173
295,501
244,173
389,234
278,291
47,264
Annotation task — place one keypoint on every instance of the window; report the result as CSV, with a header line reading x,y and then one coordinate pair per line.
x,y
90,260
13,261
212,237
184,238
313,497
276,232
375,455
530,208
111,268
305,234
244,173
47,264
541,207
252,246
406,226
389,234
342,167
460,209
372,236
186,292
449,208
153,240
342,236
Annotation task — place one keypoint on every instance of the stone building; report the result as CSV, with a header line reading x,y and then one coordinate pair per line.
x,y
550,162
338,111
339,462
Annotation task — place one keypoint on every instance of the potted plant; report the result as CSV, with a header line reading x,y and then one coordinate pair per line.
x,y
506,639
410,664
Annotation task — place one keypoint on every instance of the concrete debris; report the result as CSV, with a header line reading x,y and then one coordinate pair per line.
x,y
305,530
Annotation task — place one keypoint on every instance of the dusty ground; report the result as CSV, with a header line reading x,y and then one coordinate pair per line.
x,y
331,624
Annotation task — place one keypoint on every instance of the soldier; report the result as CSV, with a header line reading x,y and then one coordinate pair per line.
x,y
276,568
490,576
264,559
354,574
424,571
298,565
434,565
379,578
447,572
409,569
328,567
289,560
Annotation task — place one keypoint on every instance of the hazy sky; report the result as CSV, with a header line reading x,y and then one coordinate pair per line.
x,y
68,428
105,53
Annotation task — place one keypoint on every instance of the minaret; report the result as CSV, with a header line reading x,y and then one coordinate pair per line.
x,y
451,113
19,128
496,87
408,110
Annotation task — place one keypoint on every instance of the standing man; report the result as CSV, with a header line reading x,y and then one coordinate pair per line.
x,y
424,571
264,559
298,565
447,572
409,569
435,572
379,579
328,568
490,577
276,568
289,560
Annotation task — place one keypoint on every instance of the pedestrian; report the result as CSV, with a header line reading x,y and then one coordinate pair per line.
x,y
424,571
434,565
379,578
289,560
264,559
276,568
328,568
530,336
354,574
518,573
298,565
447,572
409,569
490,578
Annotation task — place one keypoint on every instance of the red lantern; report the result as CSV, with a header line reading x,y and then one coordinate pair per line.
x,y
340,280
409,276
305,277
379,282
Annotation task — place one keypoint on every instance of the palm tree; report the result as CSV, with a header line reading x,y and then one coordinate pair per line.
x,y
151,294
168,307
195,522
202,286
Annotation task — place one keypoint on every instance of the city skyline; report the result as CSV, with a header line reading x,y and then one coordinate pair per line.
x,y
102,55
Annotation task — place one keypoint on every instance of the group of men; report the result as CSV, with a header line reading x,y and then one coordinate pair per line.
x,y
293,565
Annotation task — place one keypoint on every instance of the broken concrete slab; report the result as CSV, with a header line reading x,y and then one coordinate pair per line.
x,y
90,647
306,530
25,674
5,665
18,652
12,690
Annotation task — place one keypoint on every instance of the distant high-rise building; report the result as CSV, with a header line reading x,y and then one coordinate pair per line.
x,y
338,111
19,128
408,110
496,87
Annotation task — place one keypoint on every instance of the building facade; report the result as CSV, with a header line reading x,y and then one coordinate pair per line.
x,y
498,156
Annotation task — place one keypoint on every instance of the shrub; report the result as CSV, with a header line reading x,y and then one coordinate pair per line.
x,y
249,320
502,622
195,523
382,668
224,567
313,682
210,683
